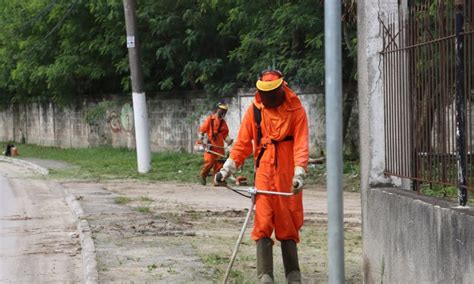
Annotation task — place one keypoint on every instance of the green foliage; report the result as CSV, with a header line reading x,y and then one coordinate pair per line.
x,y
64,50
97,112
440,191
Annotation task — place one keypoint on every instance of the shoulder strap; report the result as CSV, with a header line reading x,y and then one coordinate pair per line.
x,y
257,114
214,135
212,127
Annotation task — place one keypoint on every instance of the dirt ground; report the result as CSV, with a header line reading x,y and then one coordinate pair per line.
x,y
178,233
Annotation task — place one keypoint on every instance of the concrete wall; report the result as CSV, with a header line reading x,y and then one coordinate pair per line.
x,y
174,119
415,239
406,238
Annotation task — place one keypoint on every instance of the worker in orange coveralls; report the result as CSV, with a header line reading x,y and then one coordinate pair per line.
x,y
214,131
280,149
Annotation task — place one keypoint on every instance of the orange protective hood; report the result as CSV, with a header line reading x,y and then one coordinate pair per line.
x,y
291,103
275,120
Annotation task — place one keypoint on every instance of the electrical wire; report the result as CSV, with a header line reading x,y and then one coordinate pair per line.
x,y
69,10
40,14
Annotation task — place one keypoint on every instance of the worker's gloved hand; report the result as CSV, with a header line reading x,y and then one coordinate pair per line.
x,y
228,169
204,139
298,179
229,140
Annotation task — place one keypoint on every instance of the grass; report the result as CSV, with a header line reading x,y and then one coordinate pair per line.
x,y
445,192
215,253
146,199
122,200
143,209
106,163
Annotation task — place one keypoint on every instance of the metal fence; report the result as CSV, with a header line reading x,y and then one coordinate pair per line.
x,y
428,75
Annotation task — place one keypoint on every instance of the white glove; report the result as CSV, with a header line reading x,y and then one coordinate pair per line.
x,y
228,169
229,140
203,138
298,179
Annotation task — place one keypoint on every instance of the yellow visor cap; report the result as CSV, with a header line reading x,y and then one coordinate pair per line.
x,y
269,85
224,107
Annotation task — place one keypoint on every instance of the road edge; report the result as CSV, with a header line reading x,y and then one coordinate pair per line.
x,y
26,164
88,252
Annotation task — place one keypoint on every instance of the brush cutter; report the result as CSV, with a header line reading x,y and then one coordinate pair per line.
x,y
253,192
200,147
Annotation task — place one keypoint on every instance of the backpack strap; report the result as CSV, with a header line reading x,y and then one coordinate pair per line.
x,y
257,114
214,135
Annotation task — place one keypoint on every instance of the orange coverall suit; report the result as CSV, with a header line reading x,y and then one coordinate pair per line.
x,y
276,167
216,133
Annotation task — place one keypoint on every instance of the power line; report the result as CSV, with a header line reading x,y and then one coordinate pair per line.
x,y
69,10
40,14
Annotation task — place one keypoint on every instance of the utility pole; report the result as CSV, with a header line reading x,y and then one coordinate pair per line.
x,y
142,136
333,86
460,105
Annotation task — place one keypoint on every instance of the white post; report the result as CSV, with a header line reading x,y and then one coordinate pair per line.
x,y
141,132
140,115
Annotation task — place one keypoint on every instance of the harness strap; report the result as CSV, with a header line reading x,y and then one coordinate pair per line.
x,y
257,114
214,135
264,147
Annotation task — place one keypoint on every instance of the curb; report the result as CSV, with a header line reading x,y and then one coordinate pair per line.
x,y
29,165
88,252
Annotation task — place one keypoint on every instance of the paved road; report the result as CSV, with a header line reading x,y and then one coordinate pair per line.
x,y
38,239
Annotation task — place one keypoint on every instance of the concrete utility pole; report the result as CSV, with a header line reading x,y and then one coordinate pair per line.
x,y
460,105
333,86
142,136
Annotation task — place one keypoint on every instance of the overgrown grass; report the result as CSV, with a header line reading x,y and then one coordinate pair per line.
x,y
109,163
445,192
105,163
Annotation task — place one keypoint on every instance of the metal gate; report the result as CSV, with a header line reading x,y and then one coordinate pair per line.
x,y
428,75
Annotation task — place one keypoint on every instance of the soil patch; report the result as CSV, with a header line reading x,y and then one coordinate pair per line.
x,y
185,233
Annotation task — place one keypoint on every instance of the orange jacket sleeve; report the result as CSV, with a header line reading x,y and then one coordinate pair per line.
x,y
243,146
205,125
300,136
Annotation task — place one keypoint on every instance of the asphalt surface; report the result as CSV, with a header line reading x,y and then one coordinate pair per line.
x,y
38,238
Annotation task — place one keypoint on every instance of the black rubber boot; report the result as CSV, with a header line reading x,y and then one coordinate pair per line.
x,y
265,260
289,252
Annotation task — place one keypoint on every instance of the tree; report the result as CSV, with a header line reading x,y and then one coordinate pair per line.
x,y
64,50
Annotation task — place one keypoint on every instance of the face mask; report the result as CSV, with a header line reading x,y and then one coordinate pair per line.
x,y
272,99
221,113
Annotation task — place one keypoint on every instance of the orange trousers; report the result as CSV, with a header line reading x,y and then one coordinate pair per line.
x,y
211,161
273,213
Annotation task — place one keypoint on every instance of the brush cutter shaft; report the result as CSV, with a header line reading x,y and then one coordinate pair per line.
x,y
239,240
253,190
212,145
215,153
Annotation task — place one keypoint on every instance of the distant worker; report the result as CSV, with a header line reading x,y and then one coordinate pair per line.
x,y
213,132
276,124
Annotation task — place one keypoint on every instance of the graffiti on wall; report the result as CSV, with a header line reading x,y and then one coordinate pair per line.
x,y
122,121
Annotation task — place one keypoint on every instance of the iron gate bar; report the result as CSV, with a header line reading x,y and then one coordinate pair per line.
x,y
419,77
425,43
